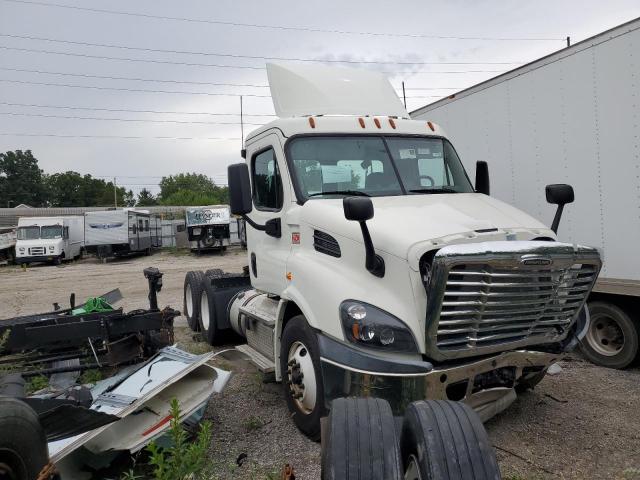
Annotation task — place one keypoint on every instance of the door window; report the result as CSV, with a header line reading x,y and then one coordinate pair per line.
x,y
267,184
146,225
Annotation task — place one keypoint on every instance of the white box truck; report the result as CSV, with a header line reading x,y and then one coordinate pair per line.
x,y
111,233
49,239
572,116
377,269
208,227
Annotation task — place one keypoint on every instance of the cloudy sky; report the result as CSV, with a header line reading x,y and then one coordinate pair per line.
x,y
154,89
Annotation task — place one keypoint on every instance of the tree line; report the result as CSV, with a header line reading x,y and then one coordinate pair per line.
x,y
23,182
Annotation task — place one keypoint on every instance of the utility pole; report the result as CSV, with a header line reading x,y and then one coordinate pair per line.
x,y
568,41
115,193
241,126
404,97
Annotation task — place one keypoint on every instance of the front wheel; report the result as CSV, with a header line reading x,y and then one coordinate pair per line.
x,y
612,337
301,376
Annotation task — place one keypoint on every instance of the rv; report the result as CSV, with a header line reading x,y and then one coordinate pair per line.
x,y
7,244
49,239
111,233
208,227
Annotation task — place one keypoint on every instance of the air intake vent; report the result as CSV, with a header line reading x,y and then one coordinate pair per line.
x,y
325,243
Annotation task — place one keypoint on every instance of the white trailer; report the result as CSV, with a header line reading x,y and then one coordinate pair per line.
x,y
208,227
7,244
120,232
572,116
49,239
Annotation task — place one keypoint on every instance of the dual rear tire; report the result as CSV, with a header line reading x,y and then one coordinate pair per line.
x,y
439,439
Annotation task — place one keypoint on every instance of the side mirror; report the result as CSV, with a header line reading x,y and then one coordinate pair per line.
x,y
360,209
559,194
482,177
239,189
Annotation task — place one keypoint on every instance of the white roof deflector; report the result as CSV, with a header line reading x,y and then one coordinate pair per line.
x,y
302,90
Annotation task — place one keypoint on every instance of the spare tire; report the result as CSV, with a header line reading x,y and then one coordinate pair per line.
x,y
193,282
446,440
23,444
360,441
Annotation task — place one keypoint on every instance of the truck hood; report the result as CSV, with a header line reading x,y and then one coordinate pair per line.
x,y
406,226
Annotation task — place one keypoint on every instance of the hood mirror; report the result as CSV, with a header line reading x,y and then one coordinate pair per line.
x,y
360,209
482,177
559,194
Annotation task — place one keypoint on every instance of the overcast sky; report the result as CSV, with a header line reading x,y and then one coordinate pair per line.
x,y
504,31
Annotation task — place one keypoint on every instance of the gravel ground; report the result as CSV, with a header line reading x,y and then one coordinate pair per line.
x,y
582,423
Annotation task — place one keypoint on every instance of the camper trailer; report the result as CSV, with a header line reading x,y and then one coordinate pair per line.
x,y
49,239
111,233
208,227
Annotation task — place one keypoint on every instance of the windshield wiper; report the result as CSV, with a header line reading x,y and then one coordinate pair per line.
x,y
433,190
340,192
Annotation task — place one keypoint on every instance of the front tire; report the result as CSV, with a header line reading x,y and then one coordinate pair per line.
x,y
301,376
612,337
446,440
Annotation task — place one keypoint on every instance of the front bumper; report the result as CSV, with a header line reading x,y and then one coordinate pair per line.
x,y
36,258
487,384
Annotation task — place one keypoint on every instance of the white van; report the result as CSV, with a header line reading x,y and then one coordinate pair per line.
x,y
49,239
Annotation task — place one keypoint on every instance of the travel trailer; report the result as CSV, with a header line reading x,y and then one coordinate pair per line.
x,y
111,233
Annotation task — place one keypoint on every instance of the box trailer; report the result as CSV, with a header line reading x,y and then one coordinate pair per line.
x,y
49,239
208,227
572,116
111,233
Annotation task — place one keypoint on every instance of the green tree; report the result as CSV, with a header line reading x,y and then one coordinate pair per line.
x,y
71,189
21,180
146,199
191,189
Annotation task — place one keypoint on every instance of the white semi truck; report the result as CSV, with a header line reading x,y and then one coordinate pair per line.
x,y
377,269
49,239
572,116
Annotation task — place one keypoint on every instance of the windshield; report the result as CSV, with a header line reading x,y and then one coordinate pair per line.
x,y
51,231
376,166
28,233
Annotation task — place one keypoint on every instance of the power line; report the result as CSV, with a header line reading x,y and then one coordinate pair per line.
x,y
97,109
251,57
56,135
142,90
138,120
122,89
277,27
215,65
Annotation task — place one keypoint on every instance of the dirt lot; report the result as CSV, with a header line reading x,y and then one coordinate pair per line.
x,y
582,423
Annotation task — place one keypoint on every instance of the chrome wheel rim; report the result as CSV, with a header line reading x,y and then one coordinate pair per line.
x,y
605,335
204,311
301,377
188,302
413,471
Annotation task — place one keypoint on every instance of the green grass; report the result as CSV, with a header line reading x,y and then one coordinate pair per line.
x,y
91,376
36,383
253,423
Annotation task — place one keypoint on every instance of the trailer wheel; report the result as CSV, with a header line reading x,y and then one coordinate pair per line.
x,y
208,318
612,337
193,282
360,441
23,445
446,440
301,376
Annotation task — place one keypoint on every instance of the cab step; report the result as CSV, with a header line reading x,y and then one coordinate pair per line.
x,y
264,364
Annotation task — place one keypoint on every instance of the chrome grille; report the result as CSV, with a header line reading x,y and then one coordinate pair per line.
x,y
487,300
36,251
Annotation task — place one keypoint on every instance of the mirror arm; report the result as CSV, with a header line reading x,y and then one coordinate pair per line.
x,y
374,262
556,219
255,225
272,227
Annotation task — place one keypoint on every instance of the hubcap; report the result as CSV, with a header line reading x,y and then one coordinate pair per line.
x,y
189,301
204,310
301,377
412,472
605,335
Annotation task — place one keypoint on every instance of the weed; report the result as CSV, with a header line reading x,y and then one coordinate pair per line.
x,y
36,383
91,376
183,460
253,423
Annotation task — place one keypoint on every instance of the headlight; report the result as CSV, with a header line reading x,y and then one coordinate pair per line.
x,y
21,249
369,326
51,247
